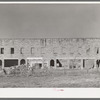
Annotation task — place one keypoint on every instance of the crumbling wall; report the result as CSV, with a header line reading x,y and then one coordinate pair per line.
x,y
74,48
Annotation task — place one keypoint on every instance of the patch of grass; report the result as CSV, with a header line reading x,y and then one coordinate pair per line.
x,y
53,78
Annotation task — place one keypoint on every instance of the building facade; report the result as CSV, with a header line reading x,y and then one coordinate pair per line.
x,y
51,53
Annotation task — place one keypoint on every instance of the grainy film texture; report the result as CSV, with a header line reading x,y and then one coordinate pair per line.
x,y
49,45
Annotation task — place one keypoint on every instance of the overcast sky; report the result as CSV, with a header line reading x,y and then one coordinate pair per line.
x,y
49,21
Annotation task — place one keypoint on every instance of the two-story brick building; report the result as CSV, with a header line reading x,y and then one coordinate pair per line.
x,y
52,53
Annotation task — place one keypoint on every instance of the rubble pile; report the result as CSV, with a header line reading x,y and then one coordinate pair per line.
x,y
21,70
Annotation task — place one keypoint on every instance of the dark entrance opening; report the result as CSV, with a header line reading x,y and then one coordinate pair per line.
x,y
22,62
40,65
10,62
52,63
58,63
98,63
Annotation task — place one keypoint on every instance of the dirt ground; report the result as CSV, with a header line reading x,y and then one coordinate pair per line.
x,y
60,78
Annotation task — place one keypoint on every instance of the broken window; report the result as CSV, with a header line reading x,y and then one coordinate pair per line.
x,y
2,51
12,50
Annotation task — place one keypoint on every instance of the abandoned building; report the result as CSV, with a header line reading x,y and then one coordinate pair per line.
x,y
69,53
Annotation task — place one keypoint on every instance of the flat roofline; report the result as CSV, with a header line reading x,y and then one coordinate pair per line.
x,y
54,38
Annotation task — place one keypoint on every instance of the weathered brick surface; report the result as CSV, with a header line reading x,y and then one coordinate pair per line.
x,y
83,48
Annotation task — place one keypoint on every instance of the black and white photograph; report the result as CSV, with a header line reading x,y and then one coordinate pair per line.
x,y
49,45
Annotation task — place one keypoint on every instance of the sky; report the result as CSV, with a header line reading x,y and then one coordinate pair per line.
x,y
49,20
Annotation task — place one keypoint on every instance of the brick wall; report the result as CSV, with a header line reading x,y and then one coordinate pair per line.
x,y
50,48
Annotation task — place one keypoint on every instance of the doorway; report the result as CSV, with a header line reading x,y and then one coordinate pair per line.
x,y
52,63
22,61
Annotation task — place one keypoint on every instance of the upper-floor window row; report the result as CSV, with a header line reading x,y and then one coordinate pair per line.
x,y
2,50
32,50
43,50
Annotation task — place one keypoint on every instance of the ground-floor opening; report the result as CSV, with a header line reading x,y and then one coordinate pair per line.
x,y
88,63
58,63
36,63
62,63
10,62
52,63
22,61
74,63
98,63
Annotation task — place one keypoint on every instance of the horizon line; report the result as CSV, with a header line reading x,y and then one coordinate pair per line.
x,y
52,38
